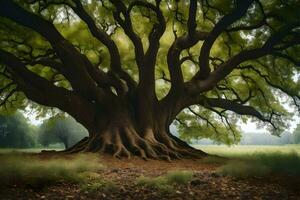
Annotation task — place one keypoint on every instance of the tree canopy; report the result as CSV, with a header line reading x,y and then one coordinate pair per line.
x,y
201,64
296,134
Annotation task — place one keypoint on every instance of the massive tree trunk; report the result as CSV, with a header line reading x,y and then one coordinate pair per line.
x,y
118,131
124,116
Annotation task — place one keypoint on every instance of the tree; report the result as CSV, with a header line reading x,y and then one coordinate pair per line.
x,y
296,134
61,129
126,70
15,132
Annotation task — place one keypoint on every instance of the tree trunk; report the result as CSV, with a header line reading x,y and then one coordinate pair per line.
x,y
118,132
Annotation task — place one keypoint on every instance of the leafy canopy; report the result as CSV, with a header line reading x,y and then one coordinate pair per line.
x,y
265,83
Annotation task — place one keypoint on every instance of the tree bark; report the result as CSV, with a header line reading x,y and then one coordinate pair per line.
x,y
118,132
124,117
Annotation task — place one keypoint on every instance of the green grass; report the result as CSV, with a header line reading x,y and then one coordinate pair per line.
x,y
102,185
242,151
22,170
263,164
166,182
254,160
27,150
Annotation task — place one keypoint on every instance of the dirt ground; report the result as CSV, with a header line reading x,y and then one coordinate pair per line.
x,y
205,184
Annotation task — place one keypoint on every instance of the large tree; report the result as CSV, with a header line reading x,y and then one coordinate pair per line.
x,y
128,69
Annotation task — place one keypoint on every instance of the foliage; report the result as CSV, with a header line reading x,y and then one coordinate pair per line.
x,y
262,83
165,182
23,170
15,132
61,129
296,134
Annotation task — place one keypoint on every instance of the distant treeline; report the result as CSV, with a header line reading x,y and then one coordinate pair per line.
x,y
261,139
60,131
63,131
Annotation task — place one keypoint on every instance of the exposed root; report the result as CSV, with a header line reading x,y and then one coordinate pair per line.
x,y
125,142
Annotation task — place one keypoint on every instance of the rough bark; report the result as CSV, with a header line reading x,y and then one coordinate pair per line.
x,y
118,132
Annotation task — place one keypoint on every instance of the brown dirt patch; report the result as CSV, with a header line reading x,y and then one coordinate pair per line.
x,y
206,184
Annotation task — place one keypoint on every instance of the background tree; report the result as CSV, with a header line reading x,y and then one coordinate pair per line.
x,y
127,69
296,134
15,132
61,129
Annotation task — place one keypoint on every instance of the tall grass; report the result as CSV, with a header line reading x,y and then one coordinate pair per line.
x,y
242,151
19,169
166,182
263,164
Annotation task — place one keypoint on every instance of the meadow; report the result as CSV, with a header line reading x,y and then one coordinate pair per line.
x,y
254,160
240,151
237,169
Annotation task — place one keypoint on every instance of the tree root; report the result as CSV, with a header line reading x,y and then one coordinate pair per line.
x,y
125,142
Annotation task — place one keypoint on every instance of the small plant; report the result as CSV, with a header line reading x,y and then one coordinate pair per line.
x,y
242,169
106,186
166,182
179,177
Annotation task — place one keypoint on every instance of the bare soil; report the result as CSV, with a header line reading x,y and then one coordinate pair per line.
x,y
206,184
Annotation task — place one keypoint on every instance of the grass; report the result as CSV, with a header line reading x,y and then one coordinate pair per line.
x,y
240,161
243,151
254,160
26,150
25,170
263,164
106,186
166,182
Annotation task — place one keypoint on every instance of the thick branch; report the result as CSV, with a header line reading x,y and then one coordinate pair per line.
x,y
126,24
242,7
44,92
104,38
235,107
226,68
73,61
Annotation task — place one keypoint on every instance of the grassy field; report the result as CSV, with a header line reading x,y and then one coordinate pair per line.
x,y
241,151
236,169
220,150
240,161
28,150
255,160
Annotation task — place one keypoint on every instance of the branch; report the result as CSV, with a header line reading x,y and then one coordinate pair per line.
x,y
74,61
183,42
226,68
204,119
29,81
235,107
267,80
287,57
126,24
242,7
104,38
4,101
157,30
